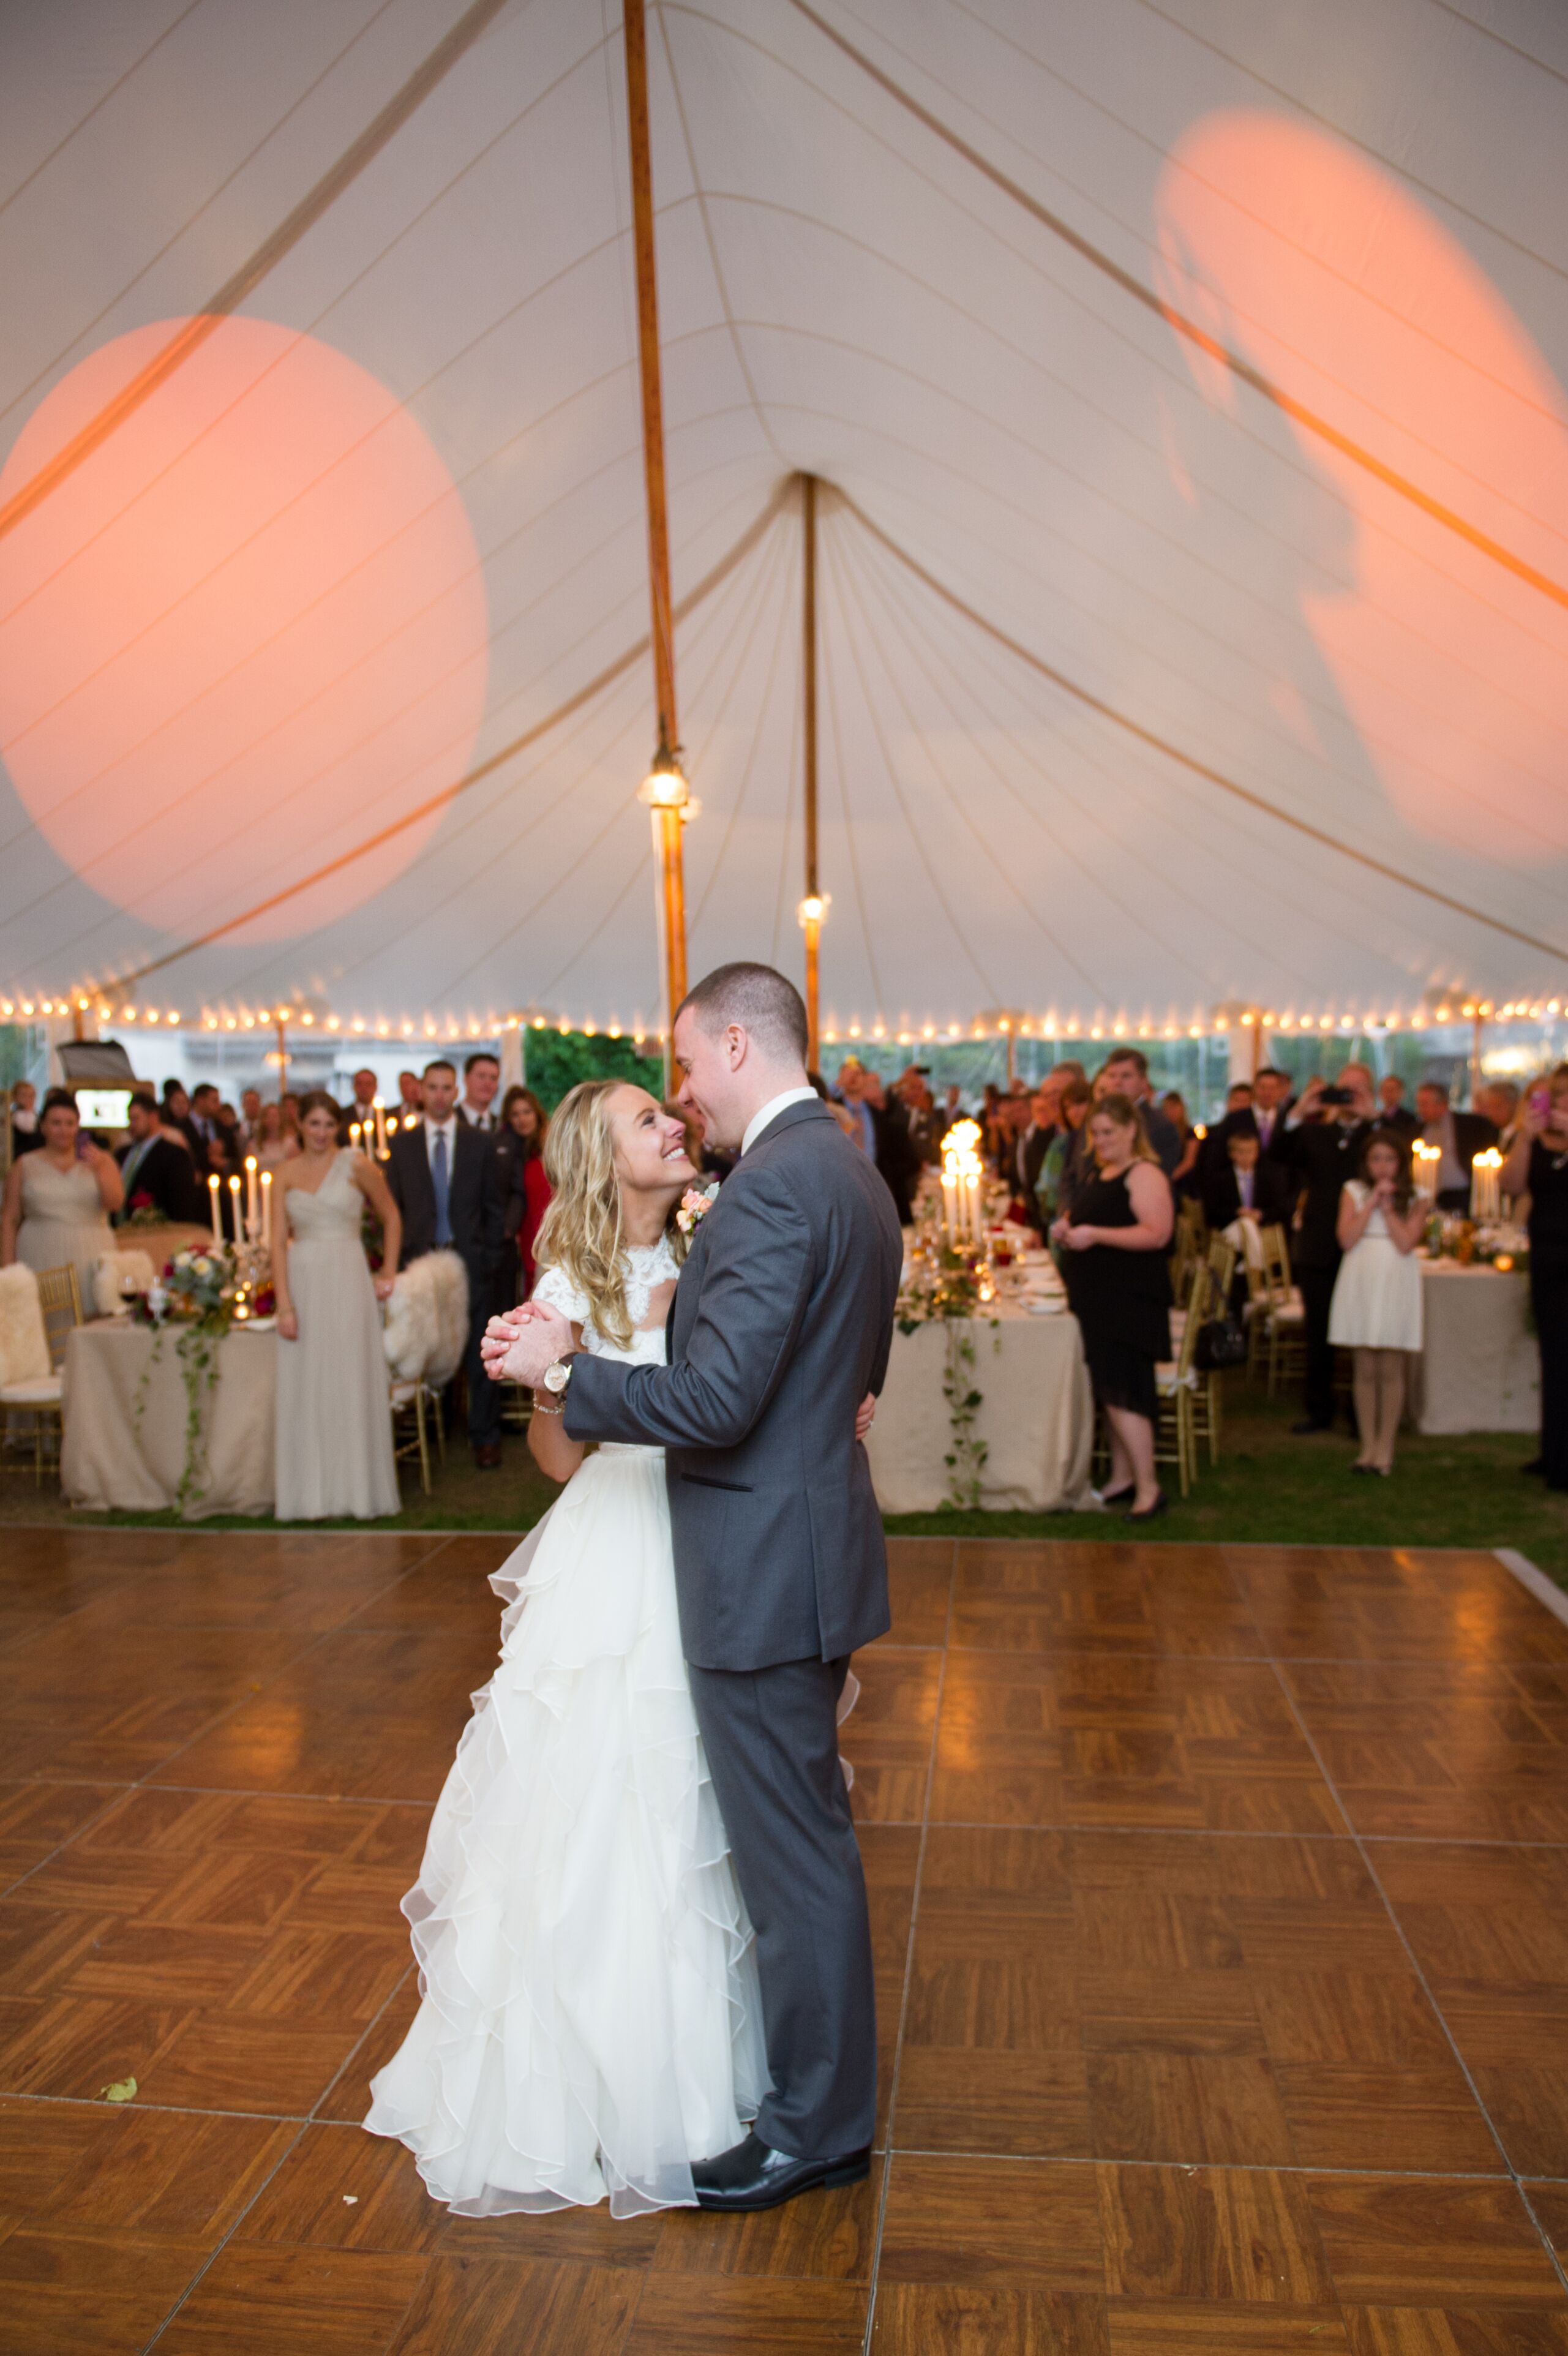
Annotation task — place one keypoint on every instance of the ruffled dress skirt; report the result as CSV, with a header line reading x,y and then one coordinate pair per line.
x,y
589,2023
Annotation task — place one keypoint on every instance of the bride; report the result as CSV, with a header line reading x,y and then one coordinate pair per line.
x,y
589,2022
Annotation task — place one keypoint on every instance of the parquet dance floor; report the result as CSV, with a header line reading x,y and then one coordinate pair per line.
x,y
1222,1901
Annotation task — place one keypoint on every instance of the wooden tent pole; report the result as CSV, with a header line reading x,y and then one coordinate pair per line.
x,y
813,907
665,791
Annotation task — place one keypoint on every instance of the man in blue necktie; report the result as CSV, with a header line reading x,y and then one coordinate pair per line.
x,y
444,1179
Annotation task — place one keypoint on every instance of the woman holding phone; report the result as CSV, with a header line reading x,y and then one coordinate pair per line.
x,y
1538,1165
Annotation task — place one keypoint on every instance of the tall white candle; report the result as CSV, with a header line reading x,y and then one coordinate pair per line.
x,y
267,1209
212,1205
252,1206
381,1112
234,1205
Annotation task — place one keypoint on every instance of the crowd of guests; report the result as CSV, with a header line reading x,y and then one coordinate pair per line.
x,y
1100,1165
1096,1162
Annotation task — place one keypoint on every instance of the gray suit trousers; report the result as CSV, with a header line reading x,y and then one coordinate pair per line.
x,y
771,1739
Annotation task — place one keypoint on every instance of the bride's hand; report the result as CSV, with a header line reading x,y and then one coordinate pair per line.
x,y
384,1284
864,1415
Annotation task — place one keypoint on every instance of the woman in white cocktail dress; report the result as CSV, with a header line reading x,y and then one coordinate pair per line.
x,y
589,2024
333,1447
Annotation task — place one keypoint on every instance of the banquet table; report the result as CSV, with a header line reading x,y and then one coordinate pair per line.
x,y
1479,1369
110,1458
1037,1418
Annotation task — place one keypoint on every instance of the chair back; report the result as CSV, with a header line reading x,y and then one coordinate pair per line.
x,y
426,1328
59,1298
1276,1263
1198,1310
24,1344
1221,1264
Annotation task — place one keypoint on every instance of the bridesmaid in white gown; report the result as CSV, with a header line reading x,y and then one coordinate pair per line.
x,y
589,2023
334,1447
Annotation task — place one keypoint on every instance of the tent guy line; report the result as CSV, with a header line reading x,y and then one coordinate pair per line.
x,y
612,671
1244,371
1187,760
243,282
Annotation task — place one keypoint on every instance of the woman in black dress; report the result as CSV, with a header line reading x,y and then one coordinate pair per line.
x,y
1538,1165
1116,1231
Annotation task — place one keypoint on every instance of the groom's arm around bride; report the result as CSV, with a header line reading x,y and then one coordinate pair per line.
x,y
782,1322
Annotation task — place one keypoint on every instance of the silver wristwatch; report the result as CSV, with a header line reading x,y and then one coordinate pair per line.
x,y
554,1381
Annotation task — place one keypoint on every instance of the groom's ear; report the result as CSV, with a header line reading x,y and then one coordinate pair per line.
x,y
736,1043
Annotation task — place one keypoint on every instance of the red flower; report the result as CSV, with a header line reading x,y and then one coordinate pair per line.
x,y
142,1201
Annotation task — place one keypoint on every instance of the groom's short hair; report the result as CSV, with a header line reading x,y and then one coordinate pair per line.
x,y
757,998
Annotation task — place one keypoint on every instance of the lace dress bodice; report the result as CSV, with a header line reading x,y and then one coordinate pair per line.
x,y
646,1266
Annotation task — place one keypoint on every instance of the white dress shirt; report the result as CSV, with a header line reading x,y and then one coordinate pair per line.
x,y
770,1111
485,1121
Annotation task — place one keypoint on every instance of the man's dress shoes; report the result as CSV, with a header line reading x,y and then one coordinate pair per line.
x,y
752,2175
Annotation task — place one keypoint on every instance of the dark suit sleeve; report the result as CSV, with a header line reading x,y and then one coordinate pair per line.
x,y
757,1266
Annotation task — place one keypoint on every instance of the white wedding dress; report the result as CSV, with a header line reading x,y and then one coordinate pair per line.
x,y
589,2022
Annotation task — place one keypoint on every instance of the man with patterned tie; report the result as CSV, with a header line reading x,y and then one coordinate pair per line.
x,y
443,1176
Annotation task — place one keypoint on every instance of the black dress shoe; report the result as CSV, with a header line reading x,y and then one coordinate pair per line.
x,y
1309,1423
1537,1464
752,2175
1148,1513
487,1456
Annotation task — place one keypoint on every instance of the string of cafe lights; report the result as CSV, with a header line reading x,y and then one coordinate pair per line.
x,y
427,1030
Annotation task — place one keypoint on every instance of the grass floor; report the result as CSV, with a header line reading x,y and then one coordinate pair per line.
x,y
1268,1487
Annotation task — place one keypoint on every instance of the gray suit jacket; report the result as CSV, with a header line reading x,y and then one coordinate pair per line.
x,y
781,1323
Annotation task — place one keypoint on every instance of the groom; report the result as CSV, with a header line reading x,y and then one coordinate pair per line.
x,y
781,1323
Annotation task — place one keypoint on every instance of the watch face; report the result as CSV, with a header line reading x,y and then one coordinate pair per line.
x,y
555,1377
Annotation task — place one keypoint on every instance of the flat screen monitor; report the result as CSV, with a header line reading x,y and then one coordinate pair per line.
x,y
104,1107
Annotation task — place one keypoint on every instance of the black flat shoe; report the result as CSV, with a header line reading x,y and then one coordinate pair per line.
x,y
1537,1465
1309,1423
1366,1468
752,2175
1160,1506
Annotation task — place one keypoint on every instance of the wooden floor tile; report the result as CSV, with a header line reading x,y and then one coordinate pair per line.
x,y
1159,2326
349,2097
64,2292
1430,2244
259,2301
888,1735
220,2060
920,1580
821,2237
1213,2234
35,1818
968,2098
1455,2331
1373,1604
991,2223
75,2046
496,2306
966,2319
708,2314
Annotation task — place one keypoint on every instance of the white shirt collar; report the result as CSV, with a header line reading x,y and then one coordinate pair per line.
x,y
435,1129
770,1111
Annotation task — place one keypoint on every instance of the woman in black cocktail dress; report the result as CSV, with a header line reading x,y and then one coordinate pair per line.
x,y
1116,1232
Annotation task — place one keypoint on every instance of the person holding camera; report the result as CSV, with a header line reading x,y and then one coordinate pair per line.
x,y
1376,1311
1325,1135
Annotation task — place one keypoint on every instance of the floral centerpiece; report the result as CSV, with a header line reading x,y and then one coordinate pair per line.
x,y
1478,1243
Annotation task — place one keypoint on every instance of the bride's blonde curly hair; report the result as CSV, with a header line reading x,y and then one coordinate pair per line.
x,y
581,1233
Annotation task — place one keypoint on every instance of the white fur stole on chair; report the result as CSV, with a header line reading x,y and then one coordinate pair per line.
x,y
427,1320
24,1344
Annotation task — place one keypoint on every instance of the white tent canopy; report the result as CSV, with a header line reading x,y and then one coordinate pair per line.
x,y
1160,675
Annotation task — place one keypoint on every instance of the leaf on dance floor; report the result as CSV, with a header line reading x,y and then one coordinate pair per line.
x,y
123,2090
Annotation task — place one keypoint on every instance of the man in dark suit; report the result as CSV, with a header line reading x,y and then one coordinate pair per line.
x,y
25,1135
1392,1110
1035,1143
155,1167
222,1143
894,1154
1458,1137
1324,1149
781,1324
1125,1073
445,1180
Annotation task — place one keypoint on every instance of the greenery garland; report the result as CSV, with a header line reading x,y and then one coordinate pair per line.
x,y
953,1289
197,1291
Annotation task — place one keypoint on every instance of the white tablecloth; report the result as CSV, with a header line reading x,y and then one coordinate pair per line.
x,y
1037,1419
109,1458
1480,1370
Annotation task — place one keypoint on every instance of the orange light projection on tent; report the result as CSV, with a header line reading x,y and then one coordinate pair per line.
x,y
1317,266
250,622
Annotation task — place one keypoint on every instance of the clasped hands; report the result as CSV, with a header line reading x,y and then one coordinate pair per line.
x,y
518,1347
